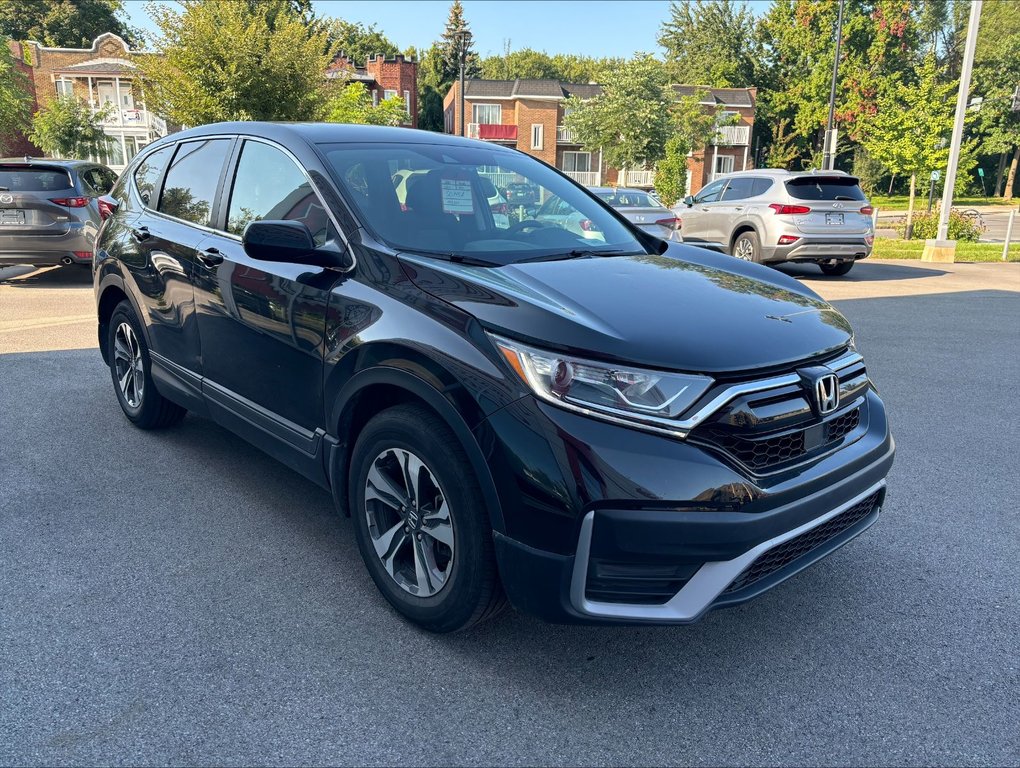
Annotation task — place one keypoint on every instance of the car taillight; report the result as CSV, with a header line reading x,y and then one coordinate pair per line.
x,y
71,202
588,225
83,255
107,207
785,210
500,208
869,240
788,239
672,222
867,210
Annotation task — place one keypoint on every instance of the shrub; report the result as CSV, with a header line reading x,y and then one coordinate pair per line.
x,y
671,171
961,227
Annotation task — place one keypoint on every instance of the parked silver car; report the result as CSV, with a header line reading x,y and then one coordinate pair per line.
x,y
50,210
772,216
642,209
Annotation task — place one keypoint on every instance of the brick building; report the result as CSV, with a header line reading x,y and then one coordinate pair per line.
x,y
528,115
105,76
384,78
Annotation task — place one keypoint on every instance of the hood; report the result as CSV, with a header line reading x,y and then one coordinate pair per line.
x,y
686,310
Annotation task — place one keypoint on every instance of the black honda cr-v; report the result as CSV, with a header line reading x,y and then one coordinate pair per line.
x,y
563,411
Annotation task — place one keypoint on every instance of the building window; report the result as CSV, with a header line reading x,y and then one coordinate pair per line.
x,y
388,94
407,102
537,135
722,164
486,114
64,88
576,161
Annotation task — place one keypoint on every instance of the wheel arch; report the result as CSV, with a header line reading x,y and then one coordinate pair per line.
x,y
744,226
111,293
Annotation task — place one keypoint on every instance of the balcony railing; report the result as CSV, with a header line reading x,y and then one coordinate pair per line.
x,y
565,136
492,131
642,178
127,118
733,136
587,178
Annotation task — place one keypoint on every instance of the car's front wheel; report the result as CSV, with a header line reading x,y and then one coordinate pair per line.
x,y
835,268
421,521
131,369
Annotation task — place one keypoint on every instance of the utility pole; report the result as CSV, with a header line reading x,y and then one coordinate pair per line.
x,y
462,53
942,249
829,145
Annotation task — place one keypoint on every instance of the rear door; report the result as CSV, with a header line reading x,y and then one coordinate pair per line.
x,y
262,323
33,202
835,205
732,204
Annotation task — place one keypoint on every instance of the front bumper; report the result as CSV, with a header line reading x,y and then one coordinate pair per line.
x,y
666,553
816,248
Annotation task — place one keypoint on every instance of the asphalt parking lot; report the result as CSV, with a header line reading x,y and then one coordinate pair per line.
x,y
179,597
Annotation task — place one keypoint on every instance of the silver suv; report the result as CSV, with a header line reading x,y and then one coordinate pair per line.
x,y
774,215
50,210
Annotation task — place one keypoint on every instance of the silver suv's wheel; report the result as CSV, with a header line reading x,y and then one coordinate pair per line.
x,y
409,522
746,246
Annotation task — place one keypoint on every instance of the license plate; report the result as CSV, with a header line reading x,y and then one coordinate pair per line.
x,y
835,219
12,216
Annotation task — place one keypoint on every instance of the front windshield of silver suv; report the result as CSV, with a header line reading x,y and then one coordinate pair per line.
x,y
451,200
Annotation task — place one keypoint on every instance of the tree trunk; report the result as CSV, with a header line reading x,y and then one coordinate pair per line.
x,y
908,231
999,172
892,180
1011,179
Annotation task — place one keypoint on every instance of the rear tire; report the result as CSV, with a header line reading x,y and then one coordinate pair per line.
x,y
131,370
421,521
747,247
835,269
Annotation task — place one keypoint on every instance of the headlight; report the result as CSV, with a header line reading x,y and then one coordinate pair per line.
x,y
650,399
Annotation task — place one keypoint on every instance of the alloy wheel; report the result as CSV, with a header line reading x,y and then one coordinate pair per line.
x,y
409,522
127,356
744,249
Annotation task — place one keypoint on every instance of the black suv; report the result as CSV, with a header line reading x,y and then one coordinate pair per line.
x,y
601,428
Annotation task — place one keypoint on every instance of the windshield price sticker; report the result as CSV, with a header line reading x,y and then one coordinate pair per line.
x,y
457,196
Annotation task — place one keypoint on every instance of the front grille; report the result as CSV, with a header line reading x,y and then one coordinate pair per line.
x,y
635,583
759,454
784,554
843,425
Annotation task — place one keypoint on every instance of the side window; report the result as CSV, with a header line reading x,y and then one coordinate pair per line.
x,y
148,172
760,186
739,188
269,185
191,180
91,183
710,194
109,177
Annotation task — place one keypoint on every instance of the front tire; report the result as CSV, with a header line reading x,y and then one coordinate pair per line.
x,y
836,268
131,370
747,247
421,521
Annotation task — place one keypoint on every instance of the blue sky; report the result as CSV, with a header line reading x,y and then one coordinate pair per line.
x,y
591,27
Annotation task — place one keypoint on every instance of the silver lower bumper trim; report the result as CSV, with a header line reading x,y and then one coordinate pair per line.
x,y
698,594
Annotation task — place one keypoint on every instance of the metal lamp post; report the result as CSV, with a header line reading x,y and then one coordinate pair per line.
x,y
941,248
829,145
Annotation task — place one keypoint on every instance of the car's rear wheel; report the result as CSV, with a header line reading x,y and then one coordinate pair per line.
x,y
131,369
835,268
421,522
747,246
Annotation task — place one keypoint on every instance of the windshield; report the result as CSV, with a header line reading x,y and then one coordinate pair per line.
x,y
629,199
452,201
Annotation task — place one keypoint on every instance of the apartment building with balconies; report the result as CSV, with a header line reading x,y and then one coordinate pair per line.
x,y
528,115
106,76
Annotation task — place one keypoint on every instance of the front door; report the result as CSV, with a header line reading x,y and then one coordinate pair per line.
x,y
699,222
262,323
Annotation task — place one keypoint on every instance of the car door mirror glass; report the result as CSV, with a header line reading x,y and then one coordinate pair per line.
x,y
285,241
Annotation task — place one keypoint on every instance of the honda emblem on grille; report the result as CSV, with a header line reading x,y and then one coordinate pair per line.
x,y
827,393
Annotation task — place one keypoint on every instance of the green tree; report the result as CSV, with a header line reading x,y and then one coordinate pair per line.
x,y
352,103
456,35
358,41
231,60
14,100
711,42
64,23
671,172
630,121
431,89
67,127
527,63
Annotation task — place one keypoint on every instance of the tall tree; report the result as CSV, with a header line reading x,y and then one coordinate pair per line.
x,y
67,127
457,35
14,99
711,42
65,23
431,89
272,69
529,63
630,121
358,41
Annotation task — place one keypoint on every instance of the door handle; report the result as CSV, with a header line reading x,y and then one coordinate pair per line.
x,y
210,257
140,234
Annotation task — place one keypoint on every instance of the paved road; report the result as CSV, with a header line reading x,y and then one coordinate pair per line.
x,y
181,598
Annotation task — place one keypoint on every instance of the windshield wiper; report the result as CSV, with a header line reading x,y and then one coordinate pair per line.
x,y
575,254
456,258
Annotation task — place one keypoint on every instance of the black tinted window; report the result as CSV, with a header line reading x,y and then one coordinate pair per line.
x,y
830,188
97,181
268,185
739,188
148,172
33,179
629,199
760,186
710,193
191,181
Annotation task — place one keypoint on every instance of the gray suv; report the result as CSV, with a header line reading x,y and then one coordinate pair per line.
x,y
50,210
772,216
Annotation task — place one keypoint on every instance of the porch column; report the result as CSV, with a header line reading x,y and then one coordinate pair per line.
x,y
715,153
116,92
744,167
598,179
92,98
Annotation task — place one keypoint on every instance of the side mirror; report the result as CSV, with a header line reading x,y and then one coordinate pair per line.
x,y
284,241
689,201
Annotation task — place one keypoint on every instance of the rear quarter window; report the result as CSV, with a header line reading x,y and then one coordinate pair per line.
x,y
15,179
808,188
147,175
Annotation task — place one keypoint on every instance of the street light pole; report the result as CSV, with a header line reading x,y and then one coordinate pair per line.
x,y
941,248
462,116
829,145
